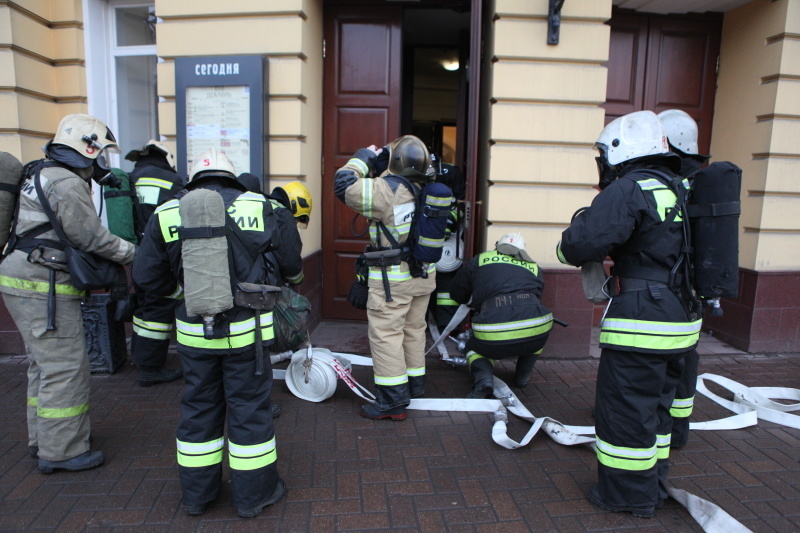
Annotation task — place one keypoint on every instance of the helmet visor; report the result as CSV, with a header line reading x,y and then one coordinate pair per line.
x,y
302,221
103,158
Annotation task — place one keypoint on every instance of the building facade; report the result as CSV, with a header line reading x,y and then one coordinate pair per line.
x,y
518,114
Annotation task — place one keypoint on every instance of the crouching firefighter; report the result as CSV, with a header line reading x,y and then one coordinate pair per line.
x,y
214,258
652,324
505,286
399,290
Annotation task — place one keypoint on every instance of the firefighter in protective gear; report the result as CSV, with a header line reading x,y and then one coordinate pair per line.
x,y
292,206
155,181
219,372
682,134
396,327
58,376
650,326
505,286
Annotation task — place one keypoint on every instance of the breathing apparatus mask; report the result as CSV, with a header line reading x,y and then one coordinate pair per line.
x,y
101,169
605,170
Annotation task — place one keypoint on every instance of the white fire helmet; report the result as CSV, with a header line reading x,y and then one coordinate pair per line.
x,y
681,130
514,245
152,146
212,163
87,135
632,136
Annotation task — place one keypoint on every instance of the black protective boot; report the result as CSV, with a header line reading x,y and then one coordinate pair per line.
x,y
149,376
524,370
276,496
416,386
594,497
390,403
481,369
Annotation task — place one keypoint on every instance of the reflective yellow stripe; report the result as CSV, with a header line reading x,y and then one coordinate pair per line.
x,y
399,380
420,371
519,329
150,334
395,274
295,279
366,192
178,294
625,458
63,412
496,258
650,335
252,457
473,356
200,454
39,286
662,445
155,182
443,298
681,407
242,334
33,401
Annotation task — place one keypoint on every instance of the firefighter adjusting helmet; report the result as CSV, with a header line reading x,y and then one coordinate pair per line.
x,y
212,164
681,130
409,157
151,148
299,202
81,140
514,245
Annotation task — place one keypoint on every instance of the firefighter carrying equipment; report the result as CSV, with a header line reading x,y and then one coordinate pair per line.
x,y
714,208
10,179
204,250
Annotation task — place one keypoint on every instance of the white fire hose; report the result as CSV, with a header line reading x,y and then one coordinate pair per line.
x,y
313,372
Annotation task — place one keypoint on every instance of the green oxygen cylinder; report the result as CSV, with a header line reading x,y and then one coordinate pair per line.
x,y
204,250
10,177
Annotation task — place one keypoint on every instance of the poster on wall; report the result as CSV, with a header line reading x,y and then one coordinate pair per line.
x,y
219,117
221,103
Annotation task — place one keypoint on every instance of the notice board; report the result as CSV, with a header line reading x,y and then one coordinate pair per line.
x,y
221,102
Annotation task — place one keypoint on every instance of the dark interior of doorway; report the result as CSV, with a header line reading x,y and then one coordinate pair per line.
x,y
435,59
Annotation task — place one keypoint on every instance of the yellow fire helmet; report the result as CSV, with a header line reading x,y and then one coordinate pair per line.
x,y
299,202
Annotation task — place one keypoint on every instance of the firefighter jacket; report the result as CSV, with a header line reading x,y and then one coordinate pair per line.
x,y
383,199
26,271
155,182
651,314
506,292
291,260
159,268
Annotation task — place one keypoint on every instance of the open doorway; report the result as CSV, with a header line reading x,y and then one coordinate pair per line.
x,y
383,77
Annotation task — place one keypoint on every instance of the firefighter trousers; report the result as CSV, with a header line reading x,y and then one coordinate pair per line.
x,y
683,403
632,421
153,323
396,332
58,376
220,384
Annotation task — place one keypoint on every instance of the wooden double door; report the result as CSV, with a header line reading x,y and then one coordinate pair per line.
x,y
661,62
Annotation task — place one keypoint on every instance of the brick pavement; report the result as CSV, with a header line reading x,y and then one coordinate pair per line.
x,y
433,472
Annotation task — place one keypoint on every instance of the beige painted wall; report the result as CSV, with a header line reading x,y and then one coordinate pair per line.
x,y
289,34
42,75
757,126
545,116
